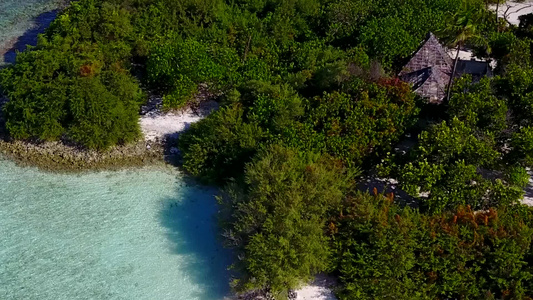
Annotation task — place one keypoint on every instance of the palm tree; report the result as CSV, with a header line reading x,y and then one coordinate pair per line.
x,y
498,2
461,28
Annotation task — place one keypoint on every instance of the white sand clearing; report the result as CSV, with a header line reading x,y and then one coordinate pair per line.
x,y
319,289
528,196
156,125
511,10
314,292
463,54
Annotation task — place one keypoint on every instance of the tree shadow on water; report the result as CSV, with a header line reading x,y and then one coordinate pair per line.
x,y
29,37
189,219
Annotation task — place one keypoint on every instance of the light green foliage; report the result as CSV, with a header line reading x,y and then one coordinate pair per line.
x,y
38,104
501,43
352,126
449,163
178,66
217,148
478,157
275,221
181,57
517,88
387,38
346,16
97,124
182,92
394,29
518,176
274,107
478,107
97,111
522,145
349,127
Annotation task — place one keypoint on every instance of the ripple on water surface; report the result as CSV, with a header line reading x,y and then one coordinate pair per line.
x,y
142,234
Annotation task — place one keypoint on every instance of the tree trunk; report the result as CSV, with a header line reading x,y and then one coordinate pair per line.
x,y
453,72
247,48
497,7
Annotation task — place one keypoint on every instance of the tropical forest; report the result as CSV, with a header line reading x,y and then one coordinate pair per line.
x,y
328,160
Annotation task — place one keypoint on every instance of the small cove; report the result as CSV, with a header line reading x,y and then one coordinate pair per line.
x,y
134,234
144,233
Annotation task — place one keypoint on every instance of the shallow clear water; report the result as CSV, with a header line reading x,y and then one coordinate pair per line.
x,y
21,21
134,234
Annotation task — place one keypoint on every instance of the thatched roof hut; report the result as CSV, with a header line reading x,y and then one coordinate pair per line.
x,y
430,68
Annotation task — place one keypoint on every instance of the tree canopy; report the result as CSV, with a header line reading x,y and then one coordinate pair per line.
x,y
310,108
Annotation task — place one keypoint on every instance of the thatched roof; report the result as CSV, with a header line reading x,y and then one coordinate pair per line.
x,y
429,70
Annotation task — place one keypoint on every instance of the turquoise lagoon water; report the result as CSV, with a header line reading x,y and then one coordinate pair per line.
x,y
133,234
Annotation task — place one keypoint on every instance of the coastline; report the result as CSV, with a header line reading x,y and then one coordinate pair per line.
x,y
58,157
160,130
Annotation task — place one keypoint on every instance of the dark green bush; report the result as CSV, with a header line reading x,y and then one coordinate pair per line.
x,y
218,147
384,252
74,83
275,221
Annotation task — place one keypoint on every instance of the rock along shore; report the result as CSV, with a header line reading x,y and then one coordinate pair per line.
x,y
56,156
160,130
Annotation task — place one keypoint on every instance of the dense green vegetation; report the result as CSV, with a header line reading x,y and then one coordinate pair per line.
x,y
76,82
309,105
385,252
283,241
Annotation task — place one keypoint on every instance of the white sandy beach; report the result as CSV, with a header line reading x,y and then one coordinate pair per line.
x,y
319,289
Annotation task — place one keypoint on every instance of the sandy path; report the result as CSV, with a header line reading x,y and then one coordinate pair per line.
x,y
511,10
528,195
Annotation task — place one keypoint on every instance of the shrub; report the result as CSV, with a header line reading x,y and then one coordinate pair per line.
x,y
218,147
275,221
387,252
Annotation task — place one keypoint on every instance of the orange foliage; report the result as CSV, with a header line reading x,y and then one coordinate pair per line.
x,y
86,70
332,228
390,197
397,218
432,276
